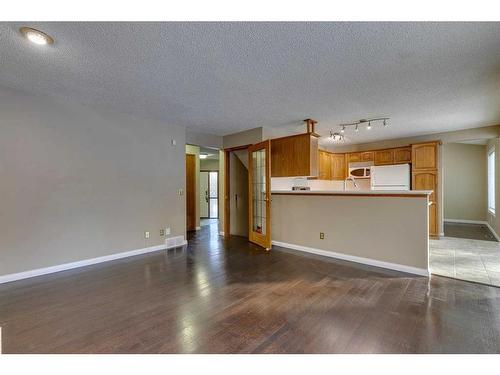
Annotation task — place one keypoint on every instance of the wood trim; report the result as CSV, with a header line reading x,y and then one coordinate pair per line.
x,y
227,208
358,195
439,142
191,192
227,190
235,148
379,149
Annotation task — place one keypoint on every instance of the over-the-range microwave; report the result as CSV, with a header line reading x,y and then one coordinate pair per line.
x,y
360,170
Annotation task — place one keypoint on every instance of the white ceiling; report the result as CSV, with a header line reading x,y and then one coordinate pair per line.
x,y
225,77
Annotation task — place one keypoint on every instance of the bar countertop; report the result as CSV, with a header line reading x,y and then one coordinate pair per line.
x,y
375,193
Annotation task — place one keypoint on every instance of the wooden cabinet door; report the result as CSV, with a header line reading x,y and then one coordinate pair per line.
x,y
338,166
325,166
424,156
384,157
367,156
402,155
428,181
353,157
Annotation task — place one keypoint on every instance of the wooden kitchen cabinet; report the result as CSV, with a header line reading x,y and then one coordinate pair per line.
x,y
294,156
427,180
353,157
324,165
384,157
338,166
425,156
425,176
402,155
367,156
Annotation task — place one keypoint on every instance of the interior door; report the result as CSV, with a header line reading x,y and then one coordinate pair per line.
x,y
190,192
259,181
204,191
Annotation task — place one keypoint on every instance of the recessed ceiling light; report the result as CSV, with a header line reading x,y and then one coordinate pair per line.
x,y
36,36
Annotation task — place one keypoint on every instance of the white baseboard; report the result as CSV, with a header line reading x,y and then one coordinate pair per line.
x,y
464,221
179,241
356,259
492,231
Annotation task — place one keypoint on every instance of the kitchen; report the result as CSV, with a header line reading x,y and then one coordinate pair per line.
x,y
376,207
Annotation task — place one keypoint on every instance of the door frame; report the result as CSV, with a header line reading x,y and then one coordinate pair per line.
x,y
227,191
218,184
191,196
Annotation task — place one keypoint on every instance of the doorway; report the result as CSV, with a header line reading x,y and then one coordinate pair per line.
x,y
469,249
209,194
247,208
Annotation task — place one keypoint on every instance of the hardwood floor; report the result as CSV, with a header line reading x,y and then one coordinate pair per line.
x,y
221,296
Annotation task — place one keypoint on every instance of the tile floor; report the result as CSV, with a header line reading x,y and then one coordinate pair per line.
x,y
466,259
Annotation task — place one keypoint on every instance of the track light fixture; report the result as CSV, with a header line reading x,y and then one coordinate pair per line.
x,y
337,137
368,122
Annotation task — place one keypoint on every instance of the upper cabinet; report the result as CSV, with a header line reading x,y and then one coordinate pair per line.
x,y
294,156
353,157
402,155
338,167
384,157
425,156
324,165
367,156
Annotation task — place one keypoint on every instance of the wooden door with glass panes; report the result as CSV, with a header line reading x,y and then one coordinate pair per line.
x,y
259,189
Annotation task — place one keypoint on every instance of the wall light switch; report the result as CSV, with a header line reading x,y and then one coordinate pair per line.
x,y
167,231
174,142
146,234
181,191
321,236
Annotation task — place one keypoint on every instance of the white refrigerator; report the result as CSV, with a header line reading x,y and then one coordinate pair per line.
x,y
390,177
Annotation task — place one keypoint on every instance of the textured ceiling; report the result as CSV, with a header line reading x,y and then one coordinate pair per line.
x,y
225,77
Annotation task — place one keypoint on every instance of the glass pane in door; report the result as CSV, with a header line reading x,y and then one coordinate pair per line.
x,y
259,191
213,194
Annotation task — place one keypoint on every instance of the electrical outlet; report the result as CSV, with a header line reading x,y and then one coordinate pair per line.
x,y
146,234
162,232
167,231
321,236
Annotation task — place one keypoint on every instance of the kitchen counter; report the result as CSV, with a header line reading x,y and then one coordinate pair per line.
x,y
382,193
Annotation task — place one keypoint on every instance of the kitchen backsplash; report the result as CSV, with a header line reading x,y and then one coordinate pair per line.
x,y
286,183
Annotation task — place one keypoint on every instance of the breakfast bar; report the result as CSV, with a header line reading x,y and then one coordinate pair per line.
x,y
387,229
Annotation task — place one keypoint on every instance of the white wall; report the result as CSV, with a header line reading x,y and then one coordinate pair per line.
x,y
464,181
77,184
